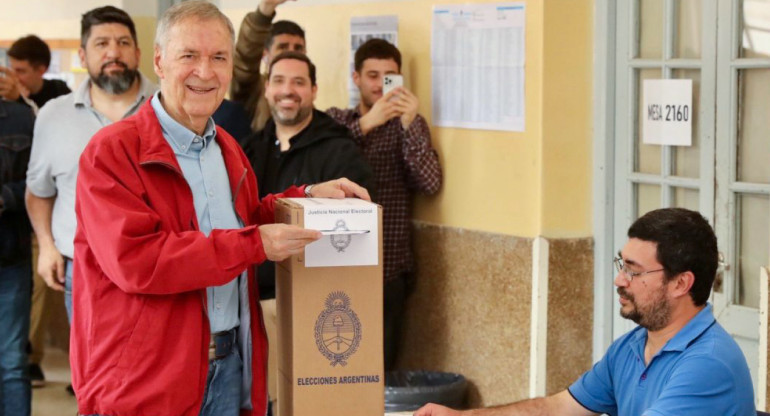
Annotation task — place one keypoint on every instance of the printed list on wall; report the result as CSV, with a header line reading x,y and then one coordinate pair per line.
x,y
477,54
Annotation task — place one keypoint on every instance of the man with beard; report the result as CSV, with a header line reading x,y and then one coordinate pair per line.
x,y
260,40
299,144
115,89
679,361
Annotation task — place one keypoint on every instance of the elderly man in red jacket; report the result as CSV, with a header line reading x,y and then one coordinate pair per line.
x,y
170,227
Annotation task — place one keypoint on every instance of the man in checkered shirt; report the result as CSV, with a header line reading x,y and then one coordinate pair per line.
x,y
396,142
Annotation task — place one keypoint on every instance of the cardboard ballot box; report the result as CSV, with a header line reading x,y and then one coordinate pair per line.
x,y
329,306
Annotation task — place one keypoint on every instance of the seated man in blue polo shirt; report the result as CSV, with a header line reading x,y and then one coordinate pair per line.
x,y
679,361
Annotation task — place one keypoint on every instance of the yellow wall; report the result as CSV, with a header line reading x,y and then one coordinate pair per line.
x,y
525,184
145,33
567,118
493,180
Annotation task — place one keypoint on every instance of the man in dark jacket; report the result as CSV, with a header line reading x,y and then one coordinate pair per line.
x,y
299,144
16,124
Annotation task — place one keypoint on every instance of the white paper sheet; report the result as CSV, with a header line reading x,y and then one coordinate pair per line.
x,y
477,53
361,30
338,217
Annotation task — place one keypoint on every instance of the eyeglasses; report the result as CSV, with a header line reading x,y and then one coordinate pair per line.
x,y
628,274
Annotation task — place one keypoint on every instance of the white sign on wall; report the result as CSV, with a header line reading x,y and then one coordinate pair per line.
x,y
667,112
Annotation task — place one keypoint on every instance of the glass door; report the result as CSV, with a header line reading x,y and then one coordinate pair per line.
x,y
743,171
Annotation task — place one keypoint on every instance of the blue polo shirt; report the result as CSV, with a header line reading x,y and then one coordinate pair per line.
x,y
701,371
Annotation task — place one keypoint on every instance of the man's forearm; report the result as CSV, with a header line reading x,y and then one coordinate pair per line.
x,y
532,407
40,211
559,404
421,160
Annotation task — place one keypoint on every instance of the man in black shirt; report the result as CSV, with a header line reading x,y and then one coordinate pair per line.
x,y
298,145
29,58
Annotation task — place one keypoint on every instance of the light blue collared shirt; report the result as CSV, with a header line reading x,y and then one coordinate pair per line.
x,y
204,169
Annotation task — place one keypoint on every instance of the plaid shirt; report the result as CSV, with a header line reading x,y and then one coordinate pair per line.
x,y
403,162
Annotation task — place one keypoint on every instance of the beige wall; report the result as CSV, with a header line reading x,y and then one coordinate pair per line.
x,y
540,178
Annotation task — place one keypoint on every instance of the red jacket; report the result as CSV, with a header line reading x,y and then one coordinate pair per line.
x,y
140,330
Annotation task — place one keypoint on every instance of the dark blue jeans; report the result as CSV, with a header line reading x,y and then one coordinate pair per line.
x,y
68,289
15,295
222,396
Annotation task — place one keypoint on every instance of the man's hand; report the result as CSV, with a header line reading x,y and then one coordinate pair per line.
x,y
383,110
432,409
281,240
50,266
267,7
338,189
406,103
10,87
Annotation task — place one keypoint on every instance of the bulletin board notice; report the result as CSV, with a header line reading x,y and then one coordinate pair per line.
x,y
477,54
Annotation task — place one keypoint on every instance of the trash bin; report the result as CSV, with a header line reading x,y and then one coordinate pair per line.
x,y
410,390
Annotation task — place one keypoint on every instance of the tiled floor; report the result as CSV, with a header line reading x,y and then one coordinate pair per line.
x,y
53,399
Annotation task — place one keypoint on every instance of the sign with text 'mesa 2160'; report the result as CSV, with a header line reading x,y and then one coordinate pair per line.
x,y
667,113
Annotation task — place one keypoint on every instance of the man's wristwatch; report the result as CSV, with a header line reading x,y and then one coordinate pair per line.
x,y
308,188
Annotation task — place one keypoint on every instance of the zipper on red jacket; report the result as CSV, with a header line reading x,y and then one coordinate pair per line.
x,y
173,168
235,196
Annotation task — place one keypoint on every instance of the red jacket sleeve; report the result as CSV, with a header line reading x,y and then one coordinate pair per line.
x,y
144,237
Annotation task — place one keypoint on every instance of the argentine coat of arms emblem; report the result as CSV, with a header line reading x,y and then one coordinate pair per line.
x,y
337,329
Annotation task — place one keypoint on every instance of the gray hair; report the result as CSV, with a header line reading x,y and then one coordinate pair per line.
x,y
195,9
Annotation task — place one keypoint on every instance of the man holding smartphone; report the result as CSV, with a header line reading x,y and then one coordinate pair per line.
x,y
396,142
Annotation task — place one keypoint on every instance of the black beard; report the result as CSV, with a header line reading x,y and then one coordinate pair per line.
x,y
302,113
117,83
655,317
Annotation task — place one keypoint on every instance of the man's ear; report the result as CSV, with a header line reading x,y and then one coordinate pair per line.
x,y
357,79
82,56
156,62
40,69
682,284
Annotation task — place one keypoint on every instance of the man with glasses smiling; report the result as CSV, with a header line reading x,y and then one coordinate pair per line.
x,y
679,360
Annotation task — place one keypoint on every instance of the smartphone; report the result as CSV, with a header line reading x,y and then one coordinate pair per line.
x,y
391,81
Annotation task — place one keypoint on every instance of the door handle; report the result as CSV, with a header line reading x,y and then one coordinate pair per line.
x,y
722,267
